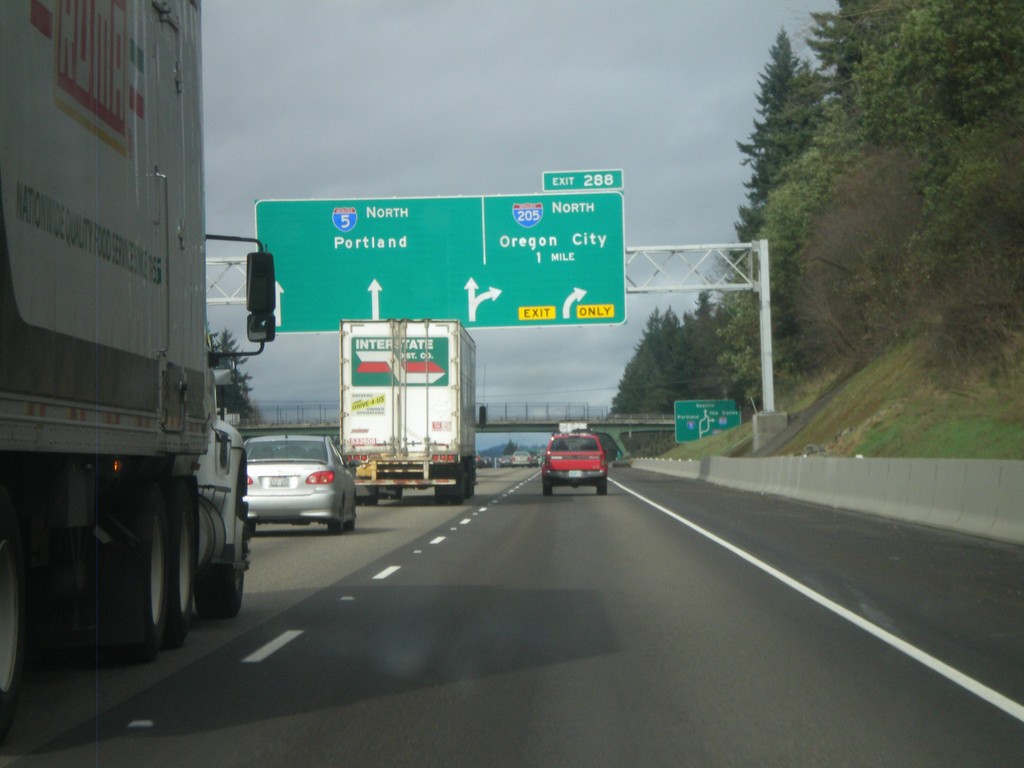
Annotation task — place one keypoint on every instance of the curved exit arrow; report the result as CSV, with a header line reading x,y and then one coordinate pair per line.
x,y
474,301
576,295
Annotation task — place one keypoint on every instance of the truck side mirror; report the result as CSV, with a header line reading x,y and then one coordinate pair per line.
x,y
260,296
261,328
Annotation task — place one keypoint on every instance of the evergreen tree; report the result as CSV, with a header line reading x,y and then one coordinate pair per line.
x,y
701,345
843,39
235,396
788,110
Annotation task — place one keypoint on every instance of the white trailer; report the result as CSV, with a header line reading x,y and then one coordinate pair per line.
x,y
408,390
120,490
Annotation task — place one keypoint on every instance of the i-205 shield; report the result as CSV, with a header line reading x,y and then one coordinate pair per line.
x,y
527,214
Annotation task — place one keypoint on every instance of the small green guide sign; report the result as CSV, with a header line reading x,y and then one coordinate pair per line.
x,y
699,418
581,181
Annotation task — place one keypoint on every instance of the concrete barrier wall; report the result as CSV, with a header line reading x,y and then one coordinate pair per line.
x,y
980,498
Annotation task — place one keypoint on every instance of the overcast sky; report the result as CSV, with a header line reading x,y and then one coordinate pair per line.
x,y
345,99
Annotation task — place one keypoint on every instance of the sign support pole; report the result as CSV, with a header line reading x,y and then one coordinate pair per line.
x,y
765,292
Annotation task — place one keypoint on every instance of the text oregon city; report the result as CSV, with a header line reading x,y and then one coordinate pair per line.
x,y
368,242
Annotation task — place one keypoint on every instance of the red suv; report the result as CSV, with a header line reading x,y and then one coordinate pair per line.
x,y
575,459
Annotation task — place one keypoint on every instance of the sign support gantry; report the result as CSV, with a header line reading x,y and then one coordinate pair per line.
x,y
697,268
649,269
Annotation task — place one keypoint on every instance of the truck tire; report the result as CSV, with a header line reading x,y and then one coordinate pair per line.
x,y
12,613
181,529
602,487
458,492
133,577
219,592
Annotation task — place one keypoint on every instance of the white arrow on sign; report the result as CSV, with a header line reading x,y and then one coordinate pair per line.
x,y
576,295
474,301
375,290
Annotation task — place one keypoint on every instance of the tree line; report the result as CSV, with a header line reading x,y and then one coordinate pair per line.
x,y
886,174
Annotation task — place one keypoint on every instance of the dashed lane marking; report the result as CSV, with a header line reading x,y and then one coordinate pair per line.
x,y
272,647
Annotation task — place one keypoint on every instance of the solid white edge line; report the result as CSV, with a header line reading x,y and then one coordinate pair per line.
x,y
387,572
274,645
982,691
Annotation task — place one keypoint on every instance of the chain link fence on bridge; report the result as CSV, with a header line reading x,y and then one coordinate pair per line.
x,y
319,414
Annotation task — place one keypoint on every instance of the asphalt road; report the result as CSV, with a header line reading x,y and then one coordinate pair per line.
x,y
669,623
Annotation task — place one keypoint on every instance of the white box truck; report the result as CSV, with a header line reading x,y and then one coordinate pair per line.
x,y
120,488
408,390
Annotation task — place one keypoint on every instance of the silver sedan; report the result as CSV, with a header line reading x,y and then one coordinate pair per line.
x,y
299,479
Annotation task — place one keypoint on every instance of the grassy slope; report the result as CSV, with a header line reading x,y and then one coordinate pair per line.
x,y
897,407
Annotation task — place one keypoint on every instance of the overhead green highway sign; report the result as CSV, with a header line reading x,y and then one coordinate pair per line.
x,y
490,262
699,418
581,181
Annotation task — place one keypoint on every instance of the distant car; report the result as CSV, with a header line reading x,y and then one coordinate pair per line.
x,y
299,479
504,461
521,459
484,462
576,459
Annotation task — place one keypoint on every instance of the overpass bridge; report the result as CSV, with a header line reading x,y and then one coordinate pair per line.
x,y
322,419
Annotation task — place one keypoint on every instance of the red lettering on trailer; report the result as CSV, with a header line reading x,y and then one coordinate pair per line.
x,y
92,63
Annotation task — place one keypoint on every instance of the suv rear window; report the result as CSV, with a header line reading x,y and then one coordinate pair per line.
x,y
575,444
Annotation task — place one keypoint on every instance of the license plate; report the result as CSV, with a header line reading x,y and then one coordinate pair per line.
x,y
575,473
279,482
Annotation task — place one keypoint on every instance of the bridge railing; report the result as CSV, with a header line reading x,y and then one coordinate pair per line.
x,y
543,412
326,414
273,414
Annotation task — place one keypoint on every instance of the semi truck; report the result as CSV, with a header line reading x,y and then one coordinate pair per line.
x,y
121,490
408,390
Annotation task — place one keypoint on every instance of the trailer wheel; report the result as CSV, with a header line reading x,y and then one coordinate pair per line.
x,y
458,492
12,613
181,528
133,577
219,594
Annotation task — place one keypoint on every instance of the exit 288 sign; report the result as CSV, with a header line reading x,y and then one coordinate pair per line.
x,y
581,181
497,261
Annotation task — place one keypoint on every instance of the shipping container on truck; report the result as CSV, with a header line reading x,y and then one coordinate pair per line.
x,y
408,390
121,490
